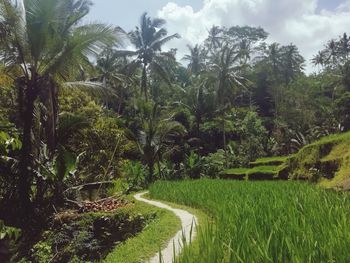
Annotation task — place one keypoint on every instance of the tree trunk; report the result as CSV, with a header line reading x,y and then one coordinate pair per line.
x,y
198,121
49,97
144,82
224,134
159,169
151,172
27,160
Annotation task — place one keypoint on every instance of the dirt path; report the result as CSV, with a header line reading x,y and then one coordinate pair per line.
x,y
188,221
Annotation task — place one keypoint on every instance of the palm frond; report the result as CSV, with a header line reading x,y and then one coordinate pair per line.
x,y
158,44
94,88
69,124
86,41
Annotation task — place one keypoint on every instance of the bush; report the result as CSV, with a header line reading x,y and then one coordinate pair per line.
x,y
133,175
192,166
88,237
253,138
215,163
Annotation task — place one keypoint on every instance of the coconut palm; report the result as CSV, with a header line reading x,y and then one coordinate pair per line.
x,y
44,44
199,102
224,68
148,40
332,50
155,136
224,73
293,62
274,57
112,73
215,38
344,47
319,59
196,59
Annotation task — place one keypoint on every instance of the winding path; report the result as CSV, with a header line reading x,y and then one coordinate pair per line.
x,y
188,222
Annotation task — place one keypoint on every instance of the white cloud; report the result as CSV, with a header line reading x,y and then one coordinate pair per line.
x,y
287,21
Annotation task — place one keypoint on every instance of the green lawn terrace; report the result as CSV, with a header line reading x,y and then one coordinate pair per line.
x,y
270,168
270,161
326,161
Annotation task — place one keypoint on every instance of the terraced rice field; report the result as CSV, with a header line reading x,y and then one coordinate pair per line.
x,y
263,221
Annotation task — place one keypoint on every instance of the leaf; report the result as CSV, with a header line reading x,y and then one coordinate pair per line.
x,y
65,163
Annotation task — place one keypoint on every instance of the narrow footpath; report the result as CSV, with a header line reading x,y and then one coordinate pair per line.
x,y
188,223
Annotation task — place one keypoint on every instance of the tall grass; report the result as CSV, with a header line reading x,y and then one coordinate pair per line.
x,y
264,221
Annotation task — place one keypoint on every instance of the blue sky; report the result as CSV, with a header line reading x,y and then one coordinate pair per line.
x,y
307,23
126,13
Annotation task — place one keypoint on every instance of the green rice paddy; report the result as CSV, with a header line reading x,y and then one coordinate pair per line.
x,y
263,221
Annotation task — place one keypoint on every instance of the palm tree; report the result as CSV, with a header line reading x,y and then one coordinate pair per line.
x,y
332,51
224,73
112,70
344,47
293,62
196,59
224,67
319,59
200,103
44,44
148,40
274,58
156,135
215,38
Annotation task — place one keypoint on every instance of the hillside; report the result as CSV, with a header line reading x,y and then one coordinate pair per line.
x,y
326,161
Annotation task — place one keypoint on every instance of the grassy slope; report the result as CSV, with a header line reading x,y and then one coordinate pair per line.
x,y
147,243
263,172
268,161
264,221
327,160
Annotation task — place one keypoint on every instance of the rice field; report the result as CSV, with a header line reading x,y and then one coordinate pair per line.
x,y
263,221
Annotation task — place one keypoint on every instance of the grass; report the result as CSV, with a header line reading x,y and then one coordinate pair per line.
x,y
255,173
277,160
264,221
327,161
147,243
264,169
246,171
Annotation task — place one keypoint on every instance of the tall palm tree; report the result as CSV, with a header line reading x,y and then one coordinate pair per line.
x,y
155,136
224,67
332,51
274,58
225,75
200,103
215,38
44,44
196,59
148,40
293,62
319,59
344,47
112,70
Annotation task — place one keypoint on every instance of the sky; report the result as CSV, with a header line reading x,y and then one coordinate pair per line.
x,y
307,23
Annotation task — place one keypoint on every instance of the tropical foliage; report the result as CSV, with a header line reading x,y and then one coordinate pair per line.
x,y
88,110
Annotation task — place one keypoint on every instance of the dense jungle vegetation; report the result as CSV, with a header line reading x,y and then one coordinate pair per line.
x,y
85,117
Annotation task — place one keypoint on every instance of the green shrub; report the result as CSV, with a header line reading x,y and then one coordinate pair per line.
x,y
192,166
133,175
253,138
88,237
42,252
